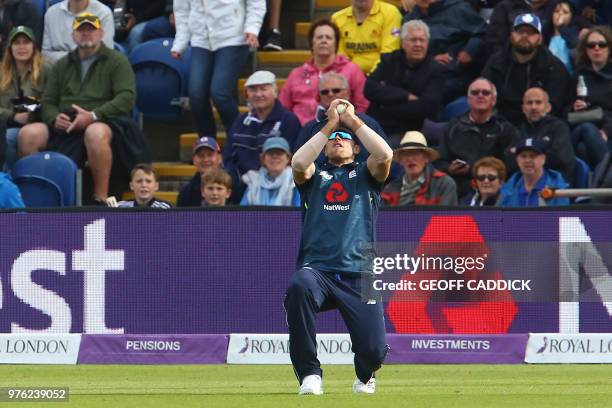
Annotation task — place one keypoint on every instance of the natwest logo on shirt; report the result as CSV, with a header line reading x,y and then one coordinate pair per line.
x,y
336,193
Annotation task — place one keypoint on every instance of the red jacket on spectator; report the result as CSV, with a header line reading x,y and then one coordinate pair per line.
x,y
300,91
438,189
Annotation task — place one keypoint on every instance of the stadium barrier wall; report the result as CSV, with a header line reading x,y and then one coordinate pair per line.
x,y
225,271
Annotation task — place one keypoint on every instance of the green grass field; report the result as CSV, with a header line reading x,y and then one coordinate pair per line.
x,y
456,386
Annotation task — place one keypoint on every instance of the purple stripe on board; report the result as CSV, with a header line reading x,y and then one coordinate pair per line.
x,y
457,349
153,349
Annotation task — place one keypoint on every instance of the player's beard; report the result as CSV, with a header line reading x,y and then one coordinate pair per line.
x,y
524,49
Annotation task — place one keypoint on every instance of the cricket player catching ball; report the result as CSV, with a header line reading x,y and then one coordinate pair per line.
x,y
340,202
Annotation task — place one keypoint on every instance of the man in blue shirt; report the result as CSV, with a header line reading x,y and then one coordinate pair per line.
x,y
340,201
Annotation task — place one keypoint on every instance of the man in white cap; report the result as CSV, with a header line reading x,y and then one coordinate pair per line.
x,y
266,118
527,63
421,184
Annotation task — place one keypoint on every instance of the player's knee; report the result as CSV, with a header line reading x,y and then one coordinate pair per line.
x,y
299,286
374,355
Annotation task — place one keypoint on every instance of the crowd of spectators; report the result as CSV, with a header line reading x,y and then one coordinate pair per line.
x,y
535,77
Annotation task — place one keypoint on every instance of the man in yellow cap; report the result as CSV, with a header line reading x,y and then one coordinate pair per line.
x,y
86,109
57,37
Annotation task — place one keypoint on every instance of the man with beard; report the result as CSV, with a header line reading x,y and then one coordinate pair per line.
x,y
57,37
86,109
524,65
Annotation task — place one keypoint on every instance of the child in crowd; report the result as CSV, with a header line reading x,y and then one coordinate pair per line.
x,y
216,188
144,184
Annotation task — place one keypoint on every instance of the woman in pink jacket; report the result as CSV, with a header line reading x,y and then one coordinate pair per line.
x,y
299,94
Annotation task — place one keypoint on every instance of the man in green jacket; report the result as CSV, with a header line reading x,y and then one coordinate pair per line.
x,y
86,106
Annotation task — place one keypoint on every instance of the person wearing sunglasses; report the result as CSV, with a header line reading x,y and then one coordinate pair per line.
x,y
525,64
407,85
340,202
591,139
332,86
299,94
489,175
479,133
57,36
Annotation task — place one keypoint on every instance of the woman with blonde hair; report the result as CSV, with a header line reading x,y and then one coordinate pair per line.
x,y
22,81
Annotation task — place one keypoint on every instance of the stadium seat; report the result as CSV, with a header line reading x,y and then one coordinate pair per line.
x,y
47,179
455,108
120,48
160,79
433,132
581,174
42,6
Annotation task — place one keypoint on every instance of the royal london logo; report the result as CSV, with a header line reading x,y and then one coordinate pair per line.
x,y
336,194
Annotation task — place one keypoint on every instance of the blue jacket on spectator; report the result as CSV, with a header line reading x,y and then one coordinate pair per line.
x,y
10,197
248,133
513,193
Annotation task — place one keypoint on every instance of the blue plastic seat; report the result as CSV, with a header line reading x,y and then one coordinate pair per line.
x,y
581,174
454,109
160,79
47,179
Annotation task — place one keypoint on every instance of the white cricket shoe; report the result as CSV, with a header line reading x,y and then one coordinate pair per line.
x,y
311,385
367,388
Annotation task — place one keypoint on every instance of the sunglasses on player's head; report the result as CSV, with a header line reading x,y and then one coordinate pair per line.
x,y
342,135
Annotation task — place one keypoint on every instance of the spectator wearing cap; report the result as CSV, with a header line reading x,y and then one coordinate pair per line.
x,y
407,85
206,155
456,41
86,109
57,37
524,187
526,64
23,77
220,33
368,28
539,124
299,94
266,118
504,14
15,13
273,183
479,133
421,184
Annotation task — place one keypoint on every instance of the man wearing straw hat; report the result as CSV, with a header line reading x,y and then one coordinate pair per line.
x,y
421,184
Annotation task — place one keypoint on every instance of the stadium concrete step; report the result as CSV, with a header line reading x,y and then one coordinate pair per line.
x,y
170,196
186,141
281,62
301,35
